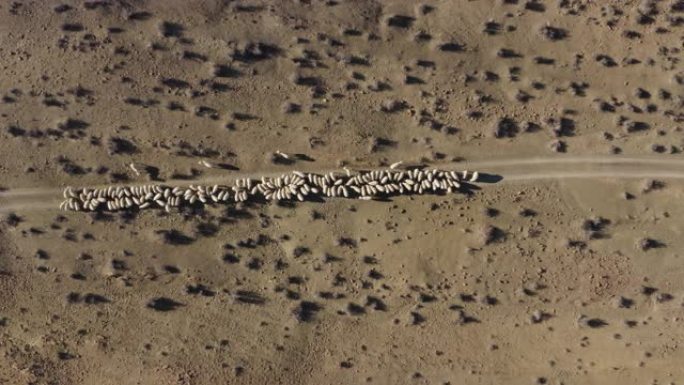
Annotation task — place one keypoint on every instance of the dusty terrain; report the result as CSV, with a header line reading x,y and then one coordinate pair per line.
x,y
567,271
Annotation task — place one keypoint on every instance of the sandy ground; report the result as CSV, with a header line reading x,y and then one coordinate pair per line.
x,y
567,271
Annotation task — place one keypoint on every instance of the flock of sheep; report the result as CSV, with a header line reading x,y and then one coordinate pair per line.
x,y
294,186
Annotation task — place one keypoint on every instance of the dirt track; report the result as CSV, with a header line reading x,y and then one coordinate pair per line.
x,y
513,170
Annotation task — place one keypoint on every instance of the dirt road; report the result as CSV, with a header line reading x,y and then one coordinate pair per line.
x,y
510,170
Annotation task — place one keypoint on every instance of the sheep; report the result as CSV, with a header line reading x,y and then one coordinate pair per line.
x,y
296,185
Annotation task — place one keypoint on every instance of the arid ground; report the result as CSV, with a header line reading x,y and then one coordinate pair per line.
x,y
569,270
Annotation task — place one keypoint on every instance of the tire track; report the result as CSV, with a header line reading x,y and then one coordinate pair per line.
x,y
512,170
